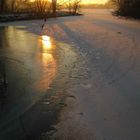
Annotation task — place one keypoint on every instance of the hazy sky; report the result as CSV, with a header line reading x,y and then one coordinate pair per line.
x,y
91,1
94,1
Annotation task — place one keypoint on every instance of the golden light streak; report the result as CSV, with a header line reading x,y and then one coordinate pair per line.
x,y
46,43
47,63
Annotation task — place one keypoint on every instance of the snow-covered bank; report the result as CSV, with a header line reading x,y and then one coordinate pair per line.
x,y
106,106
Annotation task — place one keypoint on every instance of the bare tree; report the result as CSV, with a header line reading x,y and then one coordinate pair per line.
x,y
54,6
69,6
13,2
128,7
42,8
2,6
73,6
76,6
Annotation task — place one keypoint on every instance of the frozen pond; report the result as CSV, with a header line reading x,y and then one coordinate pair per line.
x,y
28,66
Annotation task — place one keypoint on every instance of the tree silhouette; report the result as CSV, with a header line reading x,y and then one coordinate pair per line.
x,y
2,6
128,7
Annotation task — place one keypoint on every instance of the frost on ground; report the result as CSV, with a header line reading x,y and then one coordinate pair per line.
x,y
104,105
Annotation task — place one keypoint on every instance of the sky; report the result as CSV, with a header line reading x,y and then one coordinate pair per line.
x,y
94,1
91,1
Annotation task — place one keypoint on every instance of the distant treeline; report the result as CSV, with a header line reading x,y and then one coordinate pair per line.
x,y
13,6
11,10
45,7
38,6
95,6
130,8
108,5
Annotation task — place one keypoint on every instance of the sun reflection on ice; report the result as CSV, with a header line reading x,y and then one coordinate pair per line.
x,y
47,62
46,42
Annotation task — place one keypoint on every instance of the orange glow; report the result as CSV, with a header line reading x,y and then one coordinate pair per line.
x,y
46,43
87,1
47,62
94,1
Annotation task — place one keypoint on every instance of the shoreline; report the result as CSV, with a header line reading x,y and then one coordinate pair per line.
x,y
20,17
